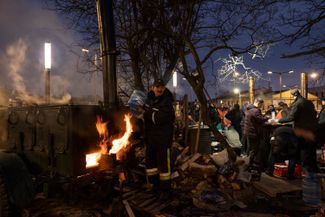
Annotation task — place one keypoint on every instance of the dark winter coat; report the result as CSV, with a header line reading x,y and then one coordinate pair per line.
x,y
254,121
159,115
285,142
303,114
321,117
235,116
320,135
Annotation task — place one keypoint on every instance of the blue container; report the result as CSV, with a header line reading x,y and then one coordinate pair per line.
x,y
311,189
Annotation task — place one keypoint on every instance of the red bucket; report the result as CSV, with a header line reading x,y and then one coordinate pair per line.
x,y
298,170
281,170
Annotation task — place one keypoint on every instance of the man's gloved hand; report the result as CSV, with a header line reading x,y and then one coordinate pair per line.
x,y
140,109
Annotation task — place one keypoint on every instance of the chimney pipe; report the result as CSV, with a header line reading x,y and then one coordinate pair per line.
x,y
108,49
251,88
304,84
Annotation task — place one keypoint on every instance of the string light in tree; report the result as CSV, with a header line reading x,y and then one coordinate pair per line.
x,y
234,69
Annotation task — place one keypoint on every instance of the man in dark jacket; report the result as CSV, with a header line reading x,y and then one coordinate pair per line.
x,y
283,147
235,116
253,123
159,119
321,117
304,116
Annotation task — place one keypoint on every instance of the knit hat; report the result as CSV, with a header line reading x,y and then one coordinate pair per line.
x,y
295,92
159,83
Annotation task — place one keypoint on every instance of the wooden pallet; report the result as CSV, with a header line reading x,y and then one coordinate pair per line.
x,y
275,187
145,202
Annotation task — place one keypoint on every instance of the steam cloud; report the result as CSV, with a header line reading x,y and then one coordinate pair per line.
x,y
16,58
22,55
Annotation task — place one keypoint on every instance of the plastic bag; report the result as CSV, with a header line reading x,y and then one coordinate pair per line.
x,y
136,100
220,158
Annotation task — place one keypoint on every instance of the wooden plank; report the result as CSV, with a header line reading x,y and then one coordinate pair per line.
x,y
161,207
130,193
193,158
275,186
147,202
128,208
152,206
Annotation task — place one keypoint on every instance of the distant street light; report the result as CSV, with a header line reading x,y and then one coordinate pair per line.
x,y
175,79
175,82
280,78
47,55
84,50
47,66
237,91
314,76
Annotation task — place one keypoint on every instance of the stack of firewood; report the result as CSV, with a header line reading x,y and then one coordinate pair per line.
x,y
216,173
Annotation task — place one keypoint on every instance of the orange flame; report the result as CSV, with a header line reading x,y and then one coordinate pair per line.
x,y
92,159
119,145
103,134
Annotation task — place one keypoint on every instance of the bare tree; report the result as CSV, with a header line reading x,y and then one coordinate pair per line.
x,y
155,35
213,26
303,26
142,51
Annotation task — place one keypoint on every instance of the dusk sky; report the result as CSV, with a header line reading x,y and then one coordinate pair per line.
x,y
26,25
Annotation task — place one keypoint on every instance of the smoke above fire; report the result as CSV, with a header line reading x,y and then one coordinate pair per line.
x,y
16,62
25,26
16,55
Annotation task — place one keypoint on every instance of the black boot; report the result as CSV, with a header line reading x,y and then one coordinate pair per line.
x,y
165,191
153,185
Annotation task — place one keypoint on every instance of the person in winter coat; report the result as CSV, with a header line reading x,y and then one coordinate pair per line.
x,y
321,116
159,119
283,110
235,116
214,115
269,110
284,145
304,116
253,123
243,139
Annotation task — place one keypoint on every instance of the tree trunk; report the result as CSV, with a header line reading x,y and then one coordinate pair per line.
x,y
207,121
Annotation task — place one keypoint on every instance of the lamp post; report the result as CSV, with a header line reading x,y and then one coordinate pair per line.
x,y
47,66
175,83
237,91
280,78
314,76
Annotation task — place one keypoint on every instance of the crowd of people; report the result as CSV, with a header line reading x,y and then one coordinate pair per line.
x,y
291,131
297,141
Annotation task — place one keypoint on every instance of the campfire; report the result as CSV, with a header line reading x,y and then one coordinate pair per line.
x,y
108,146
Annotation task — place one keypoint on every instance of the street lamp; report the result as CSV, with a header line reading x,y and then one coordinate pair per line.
x,y
47,65
314,76
175,82
237,91
280,78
